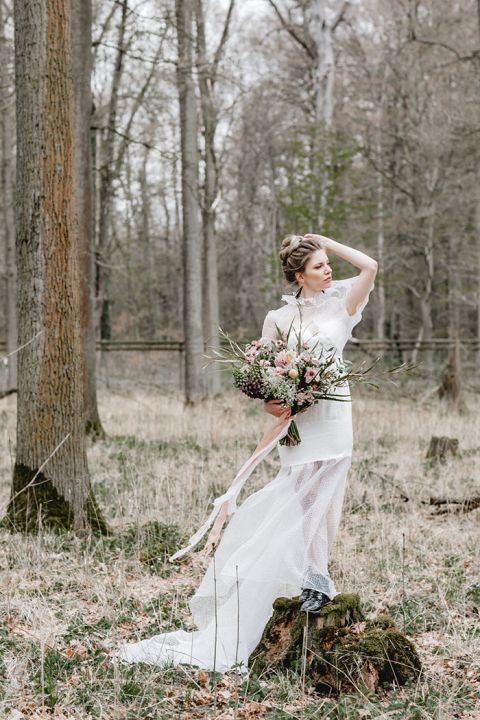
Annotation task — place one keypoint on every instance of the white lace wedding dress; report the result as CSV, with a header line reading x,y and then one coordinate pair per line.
x,y
279,540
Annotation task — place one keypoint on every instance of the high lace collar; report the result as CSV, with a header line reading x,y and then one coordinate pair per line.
x,y
315,300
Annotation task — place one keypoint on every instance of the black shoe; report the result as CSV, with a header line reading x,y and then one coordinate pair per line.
x,y
305,594
315,602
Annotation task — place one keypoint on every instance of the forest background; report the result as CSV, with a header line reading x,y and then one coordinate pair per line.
x,y
179,142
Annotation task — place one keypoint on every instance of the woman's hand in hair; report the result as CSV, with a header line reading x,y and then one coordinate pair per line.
x,y
324,241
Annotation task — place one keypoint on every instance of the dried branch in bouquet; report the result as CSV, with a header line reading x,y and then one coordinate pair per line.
x,y
299,376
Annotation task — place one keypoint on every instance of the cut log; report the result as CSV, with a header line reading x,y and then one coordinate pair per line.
x,y
460,505
337,650
441,447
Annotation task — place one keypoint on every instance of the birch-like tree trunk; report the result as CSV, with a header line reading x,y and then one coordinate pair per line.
x,y
325,20
192,246
82,71
7,182
207,76
316,38
51,483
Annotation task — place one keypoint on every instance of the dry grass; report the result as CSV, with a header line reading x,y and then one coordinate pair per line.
x,y
65,602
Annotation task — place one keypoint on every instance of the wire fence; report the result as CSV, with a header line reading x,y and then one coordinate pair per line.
x,y
161,363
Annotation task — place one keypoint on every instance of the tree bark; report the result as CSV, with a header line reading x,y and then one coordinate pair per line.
x,y
82,71
7,180
192,249
51,483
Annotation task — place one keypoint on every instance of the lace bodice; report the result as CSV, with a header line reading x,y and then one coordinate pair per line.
x,y
323,318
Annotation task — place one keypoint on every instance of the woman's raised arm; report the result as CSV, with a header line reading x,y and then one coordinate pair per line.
x,y
368,269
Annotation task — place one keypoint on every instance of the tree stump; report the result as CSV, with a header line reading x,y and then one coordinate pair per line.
x,y
440,447
338,649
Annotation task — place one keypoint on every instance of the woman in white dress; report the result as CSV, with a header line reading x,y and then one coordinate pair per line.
x,y
278,542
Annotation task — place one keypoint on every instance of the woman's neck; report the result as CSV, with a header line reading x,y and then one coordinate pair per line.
x,y
310,295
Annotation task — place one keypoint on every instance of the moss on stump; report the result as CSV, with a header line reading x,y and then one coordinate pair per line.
x,y
339,650
40,505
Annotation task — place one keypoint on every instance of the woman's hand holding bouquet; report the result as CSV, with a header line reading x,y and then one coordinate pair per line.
x,y
291,379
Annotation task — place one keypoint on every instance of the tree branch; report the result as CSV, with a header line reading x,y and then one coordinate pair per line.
x,y
292,30
221,45
342,8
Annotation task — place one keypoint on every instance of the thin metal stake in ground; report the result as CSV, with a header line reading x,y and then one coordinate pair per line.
x,y
403,581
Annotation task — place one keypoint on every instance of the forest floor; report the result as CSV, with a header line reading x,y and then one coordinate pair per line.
x,y
66,603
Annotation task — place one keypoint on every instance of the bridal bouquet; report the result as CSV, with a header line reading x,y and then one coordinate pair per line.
x,y
297,377
270,370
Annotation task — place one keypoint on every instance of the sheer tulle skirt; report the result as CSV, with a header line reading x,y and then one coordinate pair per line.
x,y
278,541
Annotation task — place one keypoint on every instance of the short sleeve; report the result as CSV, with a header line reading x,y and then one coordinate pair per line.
x,y
342,290
269,330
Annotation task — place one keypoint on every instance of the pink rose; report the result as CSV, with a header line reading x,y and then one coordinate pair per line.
x,y
310,373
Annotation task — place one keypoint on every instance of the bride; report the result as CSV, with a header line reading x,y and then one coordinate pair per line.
x,y
278,542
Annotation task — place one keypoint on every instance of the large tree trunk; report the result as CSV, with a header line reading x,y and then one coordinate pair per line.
x,y
82,71
192,248
6,199
51,484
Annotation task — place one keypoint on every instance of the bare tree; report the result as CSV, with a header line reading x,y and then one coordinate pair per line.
x,y
315,36
192,248
112,156
207,77
105,194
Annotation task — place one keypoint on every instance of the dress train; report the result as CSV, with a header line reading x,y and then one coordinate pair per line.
x,y
277,542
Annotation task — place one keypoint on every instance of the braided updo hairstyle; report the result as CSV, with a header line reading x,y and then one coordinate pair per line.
x,y
295,253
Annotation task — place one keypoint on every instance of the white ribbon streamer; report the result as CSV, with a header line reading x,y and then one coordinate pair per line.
x,y
232,493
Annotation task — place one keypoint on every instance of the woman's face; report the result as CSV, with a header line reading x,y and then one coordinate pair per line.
x,y
318,273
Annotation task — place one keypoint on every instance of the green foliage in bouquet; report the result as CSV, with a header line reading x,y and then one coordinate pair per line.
x,y
296,376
